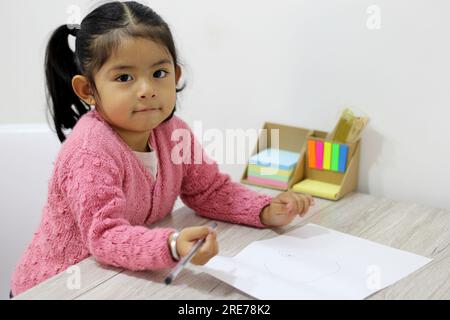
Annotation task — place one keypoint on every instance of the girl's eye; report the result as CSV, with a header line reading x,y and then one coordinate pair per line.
x,y
123,78
160,74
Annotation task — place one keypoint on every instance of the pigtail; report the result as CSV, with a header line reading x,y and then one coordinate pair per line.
x,y
60,67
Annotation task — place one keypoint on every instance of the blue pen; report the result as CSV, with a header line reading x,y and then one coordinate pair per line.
x,y
186,259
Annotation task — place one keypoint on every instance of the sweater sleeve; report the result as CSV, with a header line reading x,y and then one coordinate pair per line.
x,y
213,194
93,188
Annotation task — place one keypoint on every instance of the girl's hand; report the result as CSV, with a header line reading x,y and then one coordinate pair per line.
x,y
284,207
189,236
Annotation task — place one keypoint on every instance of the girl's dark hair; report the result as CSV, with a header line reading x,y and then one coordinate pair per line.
x,y
97,37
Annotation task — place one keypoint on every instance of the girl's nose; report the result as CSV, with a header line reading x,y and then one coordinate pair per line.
x,y
146,90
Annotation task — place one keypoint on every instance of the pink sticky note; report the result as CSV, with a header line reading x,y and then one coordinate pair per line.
x,y
319,155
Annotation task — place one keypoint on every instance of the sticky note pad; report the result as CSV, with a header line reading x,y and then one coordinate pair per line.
x,y
319,155
276,158
312,153
335,157
327,156
267,175
318,188
343,152
269,171
268,182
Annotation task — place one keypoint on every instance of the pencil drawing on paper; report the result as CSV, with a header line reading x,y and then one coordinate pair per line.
x,y
296,266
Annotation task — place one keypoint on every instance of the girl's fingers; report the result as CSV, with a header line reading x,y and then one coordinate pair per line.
x,y
308,202
279,208
288,199
288,204
194,233
216,248
301,204
292,205
312,201
208,247
284,197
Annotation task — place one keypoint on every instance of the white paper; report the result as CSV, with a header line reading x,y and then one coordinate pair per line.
x,y
313,262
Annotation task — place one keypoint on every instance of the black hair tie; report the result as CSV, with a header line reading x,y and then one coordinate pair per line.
x,y
73,29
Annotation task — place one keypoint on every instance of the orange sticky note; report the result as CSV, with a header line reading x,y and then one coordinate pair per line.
x,y
312,153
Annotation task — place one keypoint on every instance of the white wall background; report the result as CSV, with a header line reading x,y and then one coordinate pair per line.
x,y
296,62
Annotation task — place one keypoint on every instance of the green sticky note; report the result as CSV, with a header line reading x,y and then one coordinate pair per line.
x,y
335,157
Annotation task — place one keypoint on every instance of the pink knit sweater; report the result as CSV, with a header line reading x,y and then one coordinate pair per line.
x,y
101,200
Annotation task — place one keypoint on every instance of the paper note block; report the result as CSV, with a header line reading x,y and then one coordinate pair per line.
x,y
319,155
269,171
268,182
312,153
343,152
281,159
327,156
252,173
317,188
335,157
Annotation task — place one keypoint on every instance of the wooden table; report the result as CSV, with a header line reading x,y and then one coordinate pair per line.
x,y
406,226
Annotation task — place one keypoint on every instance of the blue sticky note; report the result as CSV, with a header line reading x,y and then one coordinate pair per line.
x,y
343,152
281,159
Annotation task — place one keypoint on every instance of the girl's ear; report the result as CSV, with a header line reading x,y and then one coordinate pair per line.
x,y
177,73
82,89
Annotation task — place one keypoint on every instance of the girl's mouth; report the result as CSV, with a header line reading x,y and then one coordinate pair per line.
x,y
148,110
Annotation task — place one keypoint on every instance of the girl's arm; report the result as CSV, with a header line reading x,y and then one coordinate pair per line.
x,y
212,194
93,189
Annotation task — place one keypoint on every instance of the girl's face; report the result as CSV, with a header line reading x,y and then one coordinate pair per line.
x,y
137,86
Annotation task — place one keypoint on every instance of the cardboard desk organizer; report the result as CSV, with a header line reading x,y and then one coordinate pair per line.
x,y
308,161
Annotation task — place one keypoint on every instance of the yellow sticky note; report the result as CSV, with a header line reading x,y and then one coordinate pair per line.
x,y
318,188
327,156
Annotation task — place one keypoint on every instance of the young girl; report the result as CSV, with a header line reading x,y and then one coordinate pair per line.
x,y
119,170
